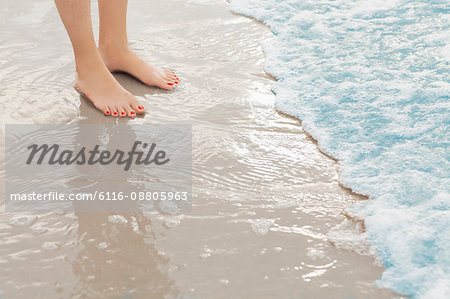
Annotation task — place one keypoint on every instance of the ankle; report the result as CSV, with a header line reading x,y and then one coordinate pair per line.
x,y
113,47
88,65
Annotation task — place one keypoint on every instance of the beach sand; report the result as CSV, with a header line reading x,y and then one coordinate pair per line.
x,y
268,210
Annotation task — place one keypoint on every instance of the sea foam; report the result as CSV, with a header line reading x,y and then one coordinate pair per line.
x,y
369,79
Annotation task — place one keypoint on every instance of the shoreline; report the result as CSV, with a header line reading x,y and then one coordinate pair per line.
x,y
286,114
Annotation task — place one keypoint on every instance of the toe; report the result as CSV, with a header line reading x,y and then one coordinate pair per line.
x,y
166,84
137,107
169,81
104,108
129,111
161,82
170,74
172,78
114,111
121,111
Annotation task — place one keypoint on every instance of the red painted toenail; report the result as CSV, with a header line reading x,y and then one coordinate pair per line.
x,y
169,83
115,113
176,82
132,113
140,107
122,113
107,112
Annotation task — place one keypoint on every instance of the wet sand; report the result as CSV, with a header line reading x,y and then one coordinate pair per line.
x,y
267,218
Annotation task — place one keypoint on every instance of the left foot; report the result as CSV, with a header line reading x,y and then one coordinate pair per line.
x,y
123,59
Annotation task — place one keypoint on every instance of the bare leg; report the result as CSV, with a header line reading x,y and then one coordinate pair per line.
x,y
93,77
116,54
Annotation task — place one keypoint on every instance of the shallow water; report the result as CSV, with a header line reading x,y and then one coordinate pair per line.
x,y
267,217
370,81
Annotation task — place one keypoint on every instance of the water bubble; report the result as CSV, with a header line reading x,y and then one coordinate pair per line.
x,y
102,245
284,204
39,229
117,219
171,222
22,220
169,207
262,226
205,255
72,216
224,281
315,254
51,245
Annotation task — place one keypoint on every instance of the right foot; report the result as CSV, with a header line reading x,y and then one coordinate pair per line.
x,y
101,88
118,57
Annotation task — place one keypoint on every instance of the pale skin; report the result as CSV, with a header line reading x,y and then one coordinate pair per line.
x,y
95,64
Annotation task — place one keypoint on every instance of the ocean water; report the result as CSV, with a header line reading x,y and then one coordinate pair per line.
x,y
369,79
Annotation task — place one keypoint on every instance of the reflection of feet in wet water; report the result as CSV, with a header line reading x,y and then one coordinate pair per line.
x,y
117,258
115,252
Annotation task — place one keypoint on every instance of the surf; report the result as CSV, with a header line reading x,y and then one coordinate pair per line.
x,y
370,81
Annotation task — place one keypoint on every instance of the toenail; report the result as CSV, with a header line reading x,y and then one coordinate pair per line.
x,y
140,107
107,112
132,113
115,113
123,113
169,83
176,82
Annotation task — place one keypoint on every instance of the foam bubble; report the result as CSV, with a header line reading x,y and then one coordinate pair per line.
x,y
315,254
51,245
171,222
278,249
102,245
117,219
224,281
262,226
39,229
22,220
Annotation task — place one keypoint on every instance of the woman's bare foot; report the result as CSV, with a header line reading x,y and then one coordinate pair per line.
x,y
120,58
101,88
